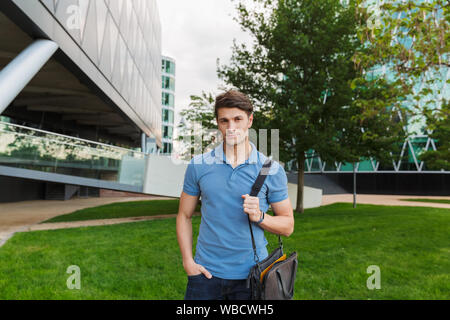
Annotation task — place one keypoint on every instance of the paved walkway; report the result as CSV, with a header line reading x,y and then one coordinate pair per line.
x,y
388,200
25,215
99,222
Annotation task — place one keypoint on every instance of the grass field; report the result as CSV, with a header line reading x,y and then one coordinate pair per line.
x,y
122,210
336,244
429,200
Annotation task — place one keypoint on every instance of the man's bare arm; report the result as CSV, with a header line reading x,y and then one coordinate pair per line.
x,y
281,223
283,220
184,234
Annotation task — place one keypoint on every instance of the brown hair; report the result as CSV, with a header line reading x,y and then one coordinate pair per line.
x,y
233,99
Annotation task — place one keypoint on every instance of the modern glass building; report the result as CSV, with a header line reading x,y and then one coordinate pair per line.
x,y
405,173
168,103
80,84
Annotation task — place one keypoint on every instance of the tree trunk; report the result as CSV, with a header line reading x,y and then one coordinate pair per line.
x,y
300,183
354,185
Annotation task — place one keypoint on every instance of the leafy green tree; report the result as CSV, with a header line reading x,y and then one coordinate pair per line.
x,y
440,126
411,37
200,112
299,72
372,128
411,40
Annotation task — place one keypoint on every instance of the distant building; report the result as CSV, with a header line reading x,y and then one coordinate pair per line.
x,y
405,173
168,103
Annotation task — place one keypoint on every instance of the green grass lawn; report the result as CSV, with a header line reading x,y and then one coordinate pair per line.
x,y
429,200
336,244
122,210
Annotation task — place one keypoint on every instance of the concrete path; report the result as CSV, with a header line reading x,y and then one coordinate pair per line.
x,y
26,216
387,200
21,216
99,222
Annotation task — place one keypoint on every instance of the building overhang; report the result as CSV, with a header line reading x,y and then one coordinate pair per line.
x,y
69,93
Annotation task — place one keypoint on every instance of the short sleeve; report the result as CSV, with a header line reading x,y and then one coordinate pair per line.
x,y
190,185
277,185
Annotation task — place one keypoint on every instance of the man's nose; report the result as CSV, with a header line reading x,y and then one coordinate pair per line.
x,y
231,126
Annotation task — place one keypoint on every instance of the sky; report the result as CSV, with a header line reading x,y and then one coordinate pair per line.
x,y
195,33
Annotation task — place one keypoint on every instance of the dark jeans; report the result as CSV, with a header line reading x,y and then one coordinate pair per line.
x,y
201,288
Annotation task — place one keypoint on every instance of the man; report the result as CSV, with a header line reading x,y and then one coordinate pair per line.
x,y
224,177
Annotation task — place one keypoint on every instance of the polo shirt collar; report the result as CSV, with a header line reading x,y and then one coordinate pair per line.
x,y
219,155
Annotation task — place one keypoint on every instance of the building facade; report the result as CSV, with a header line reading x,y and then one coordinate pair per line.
x,y
168,103
80,83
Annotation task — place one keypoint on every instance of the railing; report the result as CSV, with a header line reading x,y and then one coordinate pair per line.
x,y
34,149
407,161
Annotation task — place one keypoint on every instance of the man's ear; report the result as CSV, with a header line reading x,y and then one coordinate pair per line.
x,y
250,121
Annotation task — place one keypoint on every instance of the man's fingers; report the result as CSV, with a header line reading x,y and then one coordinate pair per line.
x,y
251,211
205,272
250,205
251,200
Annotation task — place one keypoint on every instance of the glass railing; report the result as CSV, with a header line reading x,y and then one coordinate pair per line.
x,y
33,149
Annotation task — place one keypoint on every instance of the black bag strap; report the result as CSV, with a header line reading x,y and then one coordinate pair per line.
x,y
259,182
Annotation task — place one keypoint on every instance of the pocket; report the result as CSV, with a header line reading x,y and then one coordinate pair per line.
x,y
195,276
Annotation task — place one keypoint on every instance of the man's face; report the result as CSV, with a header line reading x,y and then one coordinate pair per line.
x,y
233,123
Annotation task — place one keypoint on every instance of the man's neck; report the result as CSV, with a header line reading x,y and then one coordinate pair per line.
x,y
238,153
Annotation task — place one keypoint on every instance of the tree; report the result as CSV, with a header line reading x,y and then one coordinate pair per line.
x,y
440,126
299,72
411,39
200,112
371,130
409,36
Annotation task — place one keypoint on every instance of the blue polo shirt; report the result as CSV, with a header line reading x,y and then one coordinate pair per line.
x,y
224,244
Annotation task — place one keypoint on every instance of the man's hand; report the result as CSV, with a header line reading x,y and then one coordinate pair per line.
x,y
193,269
251,207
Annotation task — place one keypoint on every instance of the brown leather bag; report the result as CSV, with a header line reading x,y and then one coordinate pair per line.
x,y
274,277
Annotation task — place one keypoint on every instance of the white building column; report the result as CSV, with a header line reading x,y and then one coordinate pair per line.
x,y
19,72
143,142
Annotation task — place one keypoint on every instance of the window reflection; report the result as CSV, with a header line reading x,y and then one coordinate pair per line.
x,y
25,148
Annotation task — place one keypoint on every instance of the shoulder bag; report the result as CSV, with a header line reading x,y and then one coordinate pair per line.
x,y
274,277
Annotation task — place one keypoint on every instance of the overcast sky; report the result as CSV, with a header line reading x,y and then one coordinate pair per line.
x,y
195,33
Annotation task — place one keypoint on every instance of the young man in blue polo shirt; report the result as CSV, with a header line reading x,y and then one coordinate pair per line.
x,y
224,178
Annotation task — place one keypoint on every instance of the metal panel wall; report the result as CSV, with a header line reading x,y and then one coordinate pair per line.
x,y
117,43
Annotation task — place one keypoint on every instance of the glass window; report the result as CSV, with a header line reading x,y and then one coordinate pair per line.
x,y
167,147
168,115
5,119
168,99
168,132
168,67
168,83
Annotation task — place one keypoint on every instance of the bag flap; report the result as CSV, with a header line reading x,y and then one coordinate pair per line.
x,y
275,255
